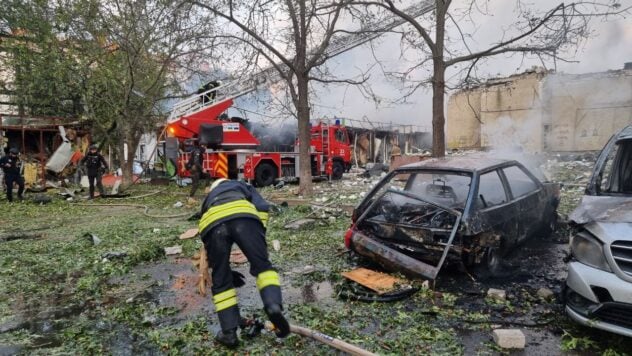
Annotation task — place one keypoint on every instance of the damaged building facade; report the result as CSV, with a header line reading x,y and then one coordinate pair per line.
x,y
542,111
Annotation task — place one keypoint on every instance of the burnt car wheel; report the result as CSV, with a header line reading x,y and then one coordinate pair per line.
x,y
550,226
491,263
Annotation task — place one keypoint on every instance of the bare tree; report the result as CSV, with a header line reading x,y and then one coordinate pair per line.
x,y
293,36
550,34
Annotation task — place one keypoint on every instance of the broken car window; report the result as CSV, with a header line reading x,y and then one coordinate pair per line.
x,y
519,182
442,188
396,208
490,191
616,176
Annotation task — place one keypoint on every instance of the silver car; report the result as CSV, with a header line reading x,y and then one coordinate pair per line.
x,y
599,284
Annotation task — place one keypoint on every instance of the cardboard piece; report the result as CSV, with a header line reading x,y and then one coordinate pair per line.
x,y
379,282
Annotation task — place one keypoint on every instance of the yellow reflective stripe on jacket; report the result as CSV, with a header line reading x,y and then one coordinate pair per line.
x,y
263,216
225,300
267,278
218,212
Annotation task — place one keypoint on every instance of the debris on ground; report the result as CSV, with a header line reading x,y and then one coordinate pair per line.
x,y
545,293
299,224
509,338
376,281
238,257
173,250
114,255
496,294
94,239
178,204
19,235
276,245
303,270
191,233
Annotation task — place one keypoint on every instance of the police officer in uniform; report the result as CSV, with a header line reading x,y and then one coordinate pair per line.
x,y
11,166
234,212
96,165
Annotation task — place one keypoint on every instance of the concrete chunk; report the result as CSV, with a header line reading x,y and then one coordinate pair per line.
x,y
545,293
173,250
509,338
497,294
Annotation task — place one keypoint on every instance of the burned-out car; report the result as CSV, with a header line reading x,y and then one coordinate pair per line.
x,y
598,289
462,209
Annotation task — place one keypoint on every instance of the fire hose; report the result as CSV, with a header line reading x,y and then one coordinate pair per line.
x,y
145,211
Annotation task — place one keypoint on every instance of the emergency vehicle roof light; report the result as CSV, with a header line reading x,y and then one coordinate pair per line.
x,y
337,122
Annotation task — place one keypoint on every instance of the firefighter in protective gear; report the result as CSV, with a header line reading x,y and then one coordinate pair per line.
x,y
96,165
234,212
195,166
11,165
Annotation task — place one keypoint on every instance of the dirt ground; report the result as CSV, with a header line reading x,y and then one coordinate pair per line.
x,y
61,292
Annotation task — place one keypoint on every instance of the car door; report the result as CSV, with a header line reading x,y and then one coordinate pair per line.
x,y
527,198
495,208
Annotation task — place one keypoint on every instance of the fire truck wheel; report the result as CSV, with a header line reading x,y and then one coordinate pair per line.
x,y
265,174
337,170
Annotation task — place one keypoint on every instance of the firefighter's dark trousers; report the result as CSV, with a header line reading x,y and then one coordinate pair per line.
x,y
95,179
10,179
196,176
249,235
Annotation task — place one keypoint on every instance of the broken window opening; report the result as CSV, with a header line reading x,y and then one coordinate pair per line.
x,y
491,191
616,175
519,182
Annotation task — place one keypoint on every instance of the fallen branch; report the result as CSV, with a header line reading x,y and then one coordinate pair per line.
x,y
18,236
325,339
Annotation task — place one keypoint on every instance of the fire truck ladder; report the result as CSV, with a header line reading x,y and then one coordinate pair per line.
x,y
240,86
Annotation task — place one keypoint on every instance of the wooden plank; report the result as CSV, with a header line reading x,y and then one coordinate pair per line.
x,y
379,282
189,234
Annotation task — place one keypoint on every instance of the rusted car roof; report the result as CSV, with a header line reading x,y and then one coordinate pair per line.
x,y
461,163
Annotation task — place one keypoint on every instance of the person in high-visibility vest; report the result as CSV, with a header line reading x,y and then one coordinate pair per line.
x,y
234,212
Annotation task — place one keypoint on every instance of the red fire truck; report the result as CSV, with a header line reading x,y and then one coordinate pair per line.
x,y
231,147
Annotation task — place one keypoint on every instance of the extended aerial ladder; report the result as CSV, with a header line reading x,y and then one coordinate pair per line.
x,y
223,95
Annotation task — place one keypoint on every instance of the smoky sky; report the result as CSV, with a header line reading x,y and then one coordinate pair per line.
x,y
608,48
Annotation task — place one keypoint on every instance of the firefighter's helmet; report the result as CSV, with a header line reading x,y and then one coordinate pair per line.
x,y
216,183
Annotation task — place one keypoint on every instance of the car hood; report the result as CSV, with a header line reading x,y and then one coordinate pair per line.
x,y
603,209
610,232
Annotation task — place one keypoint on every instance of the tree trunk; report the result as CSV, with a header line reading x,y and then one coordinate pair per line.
x,y
438,116
438,84
127,162
304,138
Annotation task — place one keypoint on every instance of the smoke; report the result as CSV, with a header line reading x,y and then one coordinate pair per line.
x,y
275,137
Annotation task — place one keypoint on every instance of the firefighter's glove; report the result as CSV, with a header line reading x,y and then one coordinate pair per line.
x,y
238,279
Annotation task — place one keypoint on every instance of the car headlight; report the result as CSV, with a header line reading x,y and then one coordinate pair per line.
x,y
589,251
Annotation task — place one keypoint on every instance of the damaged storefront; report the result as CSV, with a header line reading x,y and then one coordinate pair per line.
x,y
50,147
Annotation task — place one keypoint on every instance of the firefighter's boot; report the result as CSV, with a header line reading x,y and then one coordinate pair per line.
x,y
228,321
228,315
270,289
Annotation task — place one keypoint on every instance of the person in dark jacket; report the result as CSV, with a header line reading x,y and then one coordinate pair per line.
x,y
96,166
234,212
11,166
195,167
